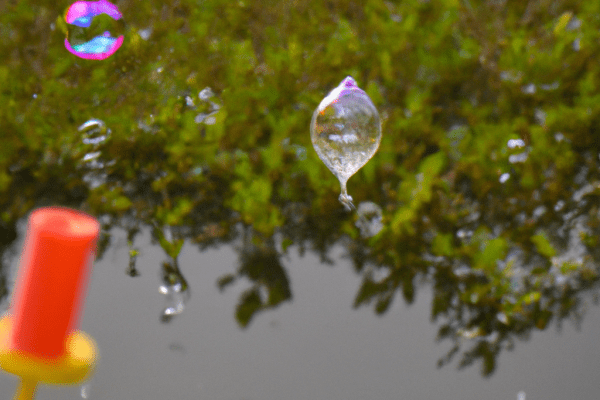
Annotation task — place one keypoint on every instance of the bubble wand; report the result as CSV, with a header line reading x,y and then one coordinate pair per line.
x,y
39,340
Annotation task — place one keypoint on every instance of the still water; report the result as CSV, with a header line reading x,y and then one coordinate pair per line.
x,y
314,347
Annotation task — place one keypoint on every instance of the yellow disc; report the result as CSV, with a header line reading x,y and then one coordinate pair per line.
x,y
71,368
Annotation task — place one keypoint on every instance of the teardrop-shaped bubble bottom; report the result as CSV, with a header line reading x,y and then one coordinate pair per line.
x,y
345,132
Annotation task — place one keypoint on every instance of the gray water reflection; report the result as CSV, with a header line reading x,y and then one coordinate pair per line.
x,y
314,347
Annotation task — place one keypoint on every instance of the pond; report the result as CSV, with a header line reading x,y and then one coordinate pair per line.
x,y
227,268
315,346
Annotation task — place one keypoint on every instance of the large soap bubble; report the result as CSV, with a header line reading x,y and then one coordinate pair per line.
x,y
80,16
345,131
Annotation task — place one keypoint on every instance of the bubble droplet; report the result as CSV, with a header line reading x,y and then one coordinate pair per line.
x,y
369,220
175,297
89,35
345,132
95,134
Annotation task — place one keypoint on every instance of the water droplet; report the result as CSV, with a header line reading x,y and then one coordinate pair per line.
x,y
529,89
518,158
538,212
300,152
550,86
89,35
540,116
95,135
504,177
176,298
502,318
145,33
210,105
464,234
515,143
345,132
205,94
511,76
85,390
189,101
369,219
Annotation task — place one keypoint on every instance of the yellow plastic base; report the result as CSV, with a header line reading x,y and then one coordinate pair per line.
x,y
73,367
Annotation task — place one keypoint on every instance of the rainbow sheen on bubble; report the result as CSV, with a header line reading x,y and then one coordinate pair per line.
x,y
81,15
345,131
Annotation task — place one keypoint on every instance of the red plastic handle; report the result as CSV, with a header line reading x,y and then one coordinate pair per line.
x,y
52,281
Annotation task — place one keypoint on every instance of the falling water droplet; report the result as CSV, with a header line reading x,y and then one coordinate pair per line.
x,y
89,36
174,287
209,105
94,135
85,390
94,132
345,132
369,219
175,297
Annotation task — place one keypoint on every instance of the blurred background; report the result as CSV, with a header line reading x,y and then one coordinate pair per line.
x,y
227,268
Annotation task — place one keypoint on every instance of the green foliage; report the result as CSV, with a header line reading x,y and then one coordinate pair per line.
x,y
542,245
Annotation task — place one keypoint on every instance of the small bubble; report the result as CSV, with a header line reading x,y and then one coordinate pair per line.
x,y
89,35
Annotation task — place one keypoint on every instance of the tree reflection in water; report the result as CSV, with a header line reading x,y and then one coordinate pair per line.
x,y
491,286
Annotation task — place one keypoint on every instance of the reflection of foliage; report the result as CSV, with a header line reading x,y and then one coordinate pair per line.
x,y
507,234
260,264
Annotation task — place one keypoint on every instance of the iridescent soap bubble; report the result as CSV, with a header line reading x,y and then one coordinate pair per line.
x,y
345,131
81,16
